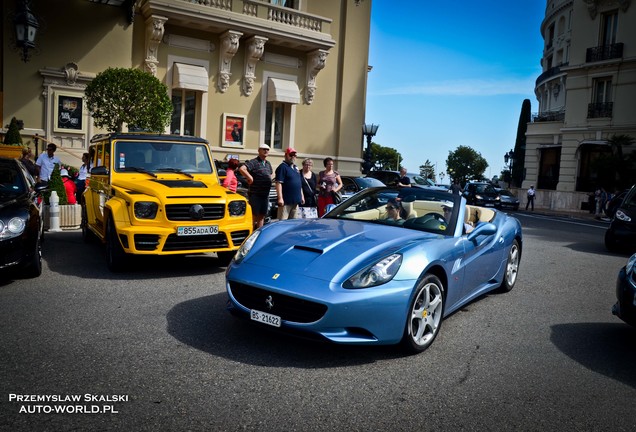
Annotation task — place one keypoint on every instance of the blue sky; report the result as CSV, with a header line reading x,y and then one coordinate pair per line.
x,y
451,73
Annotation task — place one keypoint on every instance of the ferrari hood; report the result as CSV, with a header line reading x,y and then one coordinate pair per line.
x,y
321,248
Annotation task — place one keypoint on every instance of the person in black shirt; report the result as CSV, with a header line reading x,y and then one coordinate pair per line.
x,y
258,173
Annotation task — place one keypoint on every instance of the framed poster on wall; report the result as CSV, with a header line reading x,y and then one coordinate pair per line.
x,y
232,130
68,113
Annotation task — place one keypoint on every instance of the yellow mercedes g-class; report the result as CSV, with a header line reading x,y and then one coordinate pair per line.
x,y
151,194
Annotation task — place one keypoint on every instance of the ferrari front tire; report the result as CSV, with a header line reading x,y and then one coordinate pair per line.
x,y
424,317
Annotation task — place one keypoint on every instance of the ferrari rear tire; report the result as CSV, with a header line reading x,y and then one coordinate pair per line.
x,y
512,267
424,317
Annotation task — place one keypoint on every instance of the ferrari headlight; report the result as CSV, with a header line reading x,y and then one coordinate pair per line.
x,y
237,208
246,247
620,215
377,274
145,210
630,264
13,228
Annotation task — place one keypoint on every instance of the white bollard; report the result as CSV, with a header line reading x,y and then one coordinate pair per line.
x,y
54,212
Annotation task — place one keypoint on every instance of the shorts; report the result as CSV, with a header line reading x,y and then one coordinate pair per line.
x,y
259,204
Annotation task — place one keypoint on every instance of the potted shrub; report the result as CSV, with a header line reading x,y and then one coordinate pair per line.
x,y
12,147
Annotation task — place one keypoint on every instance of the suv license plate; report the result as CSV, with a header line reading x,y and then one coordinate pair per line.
x,y
197,230
265,318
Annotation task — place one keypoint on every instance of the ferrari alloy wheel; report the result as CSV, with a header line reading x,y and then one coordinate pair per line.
x,y
424,315
512,267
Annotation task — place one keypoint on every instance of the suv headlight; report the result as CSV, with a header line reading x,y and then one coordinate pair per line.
x,y
377,274
620,215
237,208
145,210
13,228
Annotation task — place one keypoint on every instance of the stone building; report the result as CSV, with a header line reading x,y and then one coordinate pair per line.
x,y
586,95
290,73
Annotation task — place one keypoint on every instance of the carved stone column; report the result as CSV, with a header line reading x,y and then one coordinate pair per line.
x,y
316,61
254,49
154,34
229,47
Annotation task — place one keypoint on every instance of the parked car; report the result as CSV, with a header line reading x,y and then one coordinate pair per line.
x,y
391,178
621,233
353,185
481,194
152,194
357,276
614,203
508,200
625,307
21,225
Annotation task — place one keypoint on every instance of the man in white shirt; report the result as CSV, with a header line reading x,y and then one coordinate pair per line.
x,y
46,163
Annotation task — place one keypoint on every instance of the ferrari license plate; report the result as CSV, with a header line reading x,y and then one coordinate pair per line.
x,y
197,230
265,318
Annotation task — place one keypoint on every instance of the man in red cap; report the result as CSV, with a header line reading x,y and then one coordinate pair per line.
x,y
289,186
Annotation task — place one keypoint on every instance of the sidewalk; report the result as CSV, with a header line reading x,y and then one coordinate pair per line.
x,y
566,213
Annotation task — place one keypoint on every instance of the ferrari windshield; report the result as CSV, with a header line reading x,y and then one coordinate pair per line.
x,y
153,156
412,208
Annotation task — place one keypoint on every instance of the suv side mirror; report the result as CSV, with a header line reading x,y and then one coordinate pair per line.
x,y
100,170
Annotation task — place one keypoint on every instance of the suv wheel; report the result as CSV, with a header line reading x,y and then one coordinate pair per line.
x,y
115,255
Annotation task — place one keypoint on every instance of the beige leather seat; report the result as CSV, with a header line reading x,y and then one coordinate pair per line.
x,y
410,211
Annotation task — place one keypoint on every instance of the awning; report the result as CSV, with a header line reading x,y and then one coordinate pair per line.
x,y
189,77
280,90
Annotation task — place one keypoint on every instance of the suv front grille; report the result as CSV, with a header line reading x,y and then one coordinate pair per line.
x,y
185,243
146,242
181,212
286,307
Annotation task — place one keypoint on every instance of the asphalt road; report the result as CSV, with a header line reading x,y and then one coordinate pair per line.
x,y
154,350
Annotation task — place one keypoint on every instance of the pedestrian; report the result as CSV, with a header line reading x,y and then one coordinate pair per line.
x,y
230,181
329,182
531,195
46,163
289,189
404,181
456,188
80,181
258,174
31,167
600,201
309,208
69,186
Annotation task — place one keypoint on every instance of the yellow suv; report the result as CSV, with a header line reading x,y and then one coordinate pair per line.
x,y
160,195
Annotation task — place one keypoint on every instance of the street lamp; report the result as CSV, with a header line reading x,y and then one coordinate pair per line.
x,y
509,158
369,131
26,27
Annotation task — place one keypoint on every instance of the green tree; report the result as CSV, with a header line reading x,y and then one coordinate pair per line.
x,y
117,96
428,170
386,158
465,164
56,184
13,136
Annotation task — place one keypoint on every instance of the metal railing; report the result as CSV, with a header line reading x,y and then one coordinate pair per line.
x,y
604,52
600,109
548,116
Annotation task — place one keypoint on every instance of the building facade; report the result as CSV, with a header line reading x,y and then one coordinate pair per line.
x,y
289,73
587,96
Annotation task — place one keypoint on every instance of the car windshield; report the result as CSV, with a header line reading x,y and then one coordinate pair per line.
x,y
630,199
422,181
155,156
12,183
485,188
413,208
367,182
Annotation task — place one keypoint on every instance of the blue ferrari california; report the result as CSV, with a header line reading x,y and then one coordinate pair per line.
x,y
384,267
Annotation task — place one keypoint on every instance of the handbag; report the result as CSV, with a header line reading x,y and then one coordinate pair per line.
x,y
336,196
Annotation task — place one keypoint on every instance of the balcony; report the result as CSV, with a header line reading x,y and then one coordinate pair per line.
x,y
605,52
600,109
280,25
549,74
548,116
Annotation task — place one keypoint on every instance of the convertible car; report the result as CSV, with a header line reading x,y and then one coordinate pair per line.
x,y
383,267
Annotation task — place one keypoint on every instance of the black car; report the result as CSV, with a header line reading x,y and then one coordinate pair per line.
x,y
353,185
621,233
21,226
625,307
481,194
614,203
508,200
391,179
